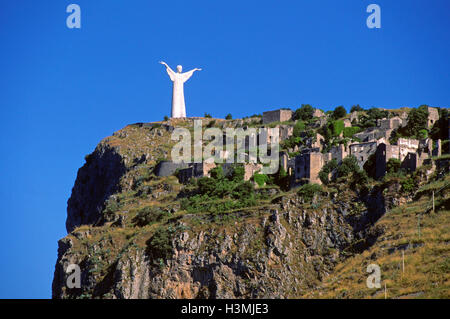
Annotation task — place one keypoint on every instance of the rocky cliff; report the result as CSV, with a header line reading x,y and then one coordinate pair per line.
x,y
132,238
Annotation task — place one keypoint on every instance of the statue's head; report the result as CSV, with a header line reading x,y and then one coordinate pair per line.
x,y
179,68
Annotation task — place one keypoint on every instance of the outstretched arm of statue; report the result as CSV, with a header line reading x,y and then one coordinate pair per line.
x,y
188,74
168,69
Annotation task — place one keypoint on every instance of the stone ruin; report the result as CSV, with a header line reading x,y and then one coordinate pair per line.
x,y
306,165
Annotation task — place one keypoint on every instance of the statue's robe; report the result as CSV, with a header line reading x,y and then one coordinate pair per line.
x,y
178,104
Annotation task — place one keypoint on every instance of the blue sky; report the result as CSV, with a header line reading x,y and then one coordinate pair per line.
x,y
63,90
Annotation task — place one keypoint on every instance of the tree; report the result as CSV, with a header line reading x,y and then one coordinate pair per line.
x,y
299,127
238,173
356,108
371,117
417,120
229,117
360,178
349,165
166,118
339,112
326,132
377,114
305,112
207,115
243,190
217,172
422,134
326,170
260,179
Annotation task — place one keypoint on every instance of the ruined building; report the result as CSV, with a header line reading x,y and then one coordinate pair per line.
x,y
281,115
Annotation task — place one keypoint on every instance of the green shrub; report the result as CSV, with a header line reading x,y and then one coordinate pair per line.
x,y
221,193
350,131
238,173
148,215
305,112
111,207
217,172
339,112
242,190
260,179
393,165
360,178
371,117
408,185
337,127
291,142
229,117
299,127
349,165
160,244
356,108
417,121
326,170
308,191
422,134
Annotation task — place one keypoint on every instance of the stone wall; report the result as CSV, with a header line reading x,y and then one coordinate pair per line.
x,y
318,142
354,116
433,116
338,153
308,166
390,124
408,151
371,134
286,131
362,151
411,162
281,115
381,159
168,168
318,113
195,170
407,146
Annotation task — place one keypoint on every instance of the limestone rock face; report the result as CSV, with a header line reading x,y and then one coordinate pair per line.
x,y
279,256
96,181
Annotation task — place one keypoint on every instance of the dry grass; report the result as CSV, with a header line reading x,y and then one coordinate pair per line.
x,y
426,257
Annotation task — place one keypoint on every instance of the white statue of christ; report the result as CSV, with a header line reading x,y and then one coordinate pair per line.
x,y
178,79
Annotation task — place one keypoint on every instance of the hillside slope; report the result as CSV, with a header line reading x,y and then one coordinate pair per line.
x,y
413,252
